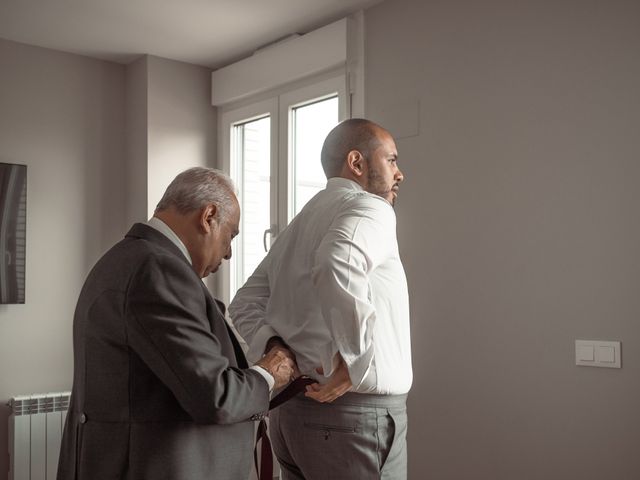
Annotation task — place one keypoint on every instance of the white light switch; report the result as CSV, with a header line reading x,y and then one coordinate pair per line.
x,y
585,353
606,354
596,353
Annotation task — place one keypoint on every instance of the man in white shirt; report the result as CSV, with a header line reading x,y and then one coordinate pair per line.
x,y
333,289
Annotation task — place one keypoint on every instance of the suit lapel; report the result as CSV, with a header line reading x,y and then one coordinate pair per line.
x,y
242,360
219,309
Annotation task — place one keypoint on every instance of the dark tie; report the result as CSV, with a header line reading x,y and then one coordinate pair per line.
x,y
266,457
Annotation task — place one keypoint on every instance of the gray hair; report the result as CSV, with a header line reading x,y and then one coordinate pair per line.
x,y
197,187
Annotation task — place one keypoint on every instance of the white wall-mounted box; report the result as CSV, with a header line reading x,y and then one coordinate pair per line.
x,y
598,353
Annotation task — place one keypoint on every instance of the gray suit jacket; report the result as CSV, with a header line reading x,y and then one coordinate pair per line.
x,y
161,389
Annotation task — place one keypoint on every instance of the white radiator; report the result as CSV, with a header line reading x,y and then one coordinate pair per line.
x,y
35,432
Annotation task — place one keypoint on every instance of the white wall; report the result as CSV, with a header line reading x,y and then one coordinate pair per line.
x,y
136,140
171,126
73,121
61,115
181,122
519,228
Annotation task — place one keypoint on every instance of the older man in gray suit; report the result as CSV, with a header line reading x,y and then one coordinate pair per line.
x,y
161,387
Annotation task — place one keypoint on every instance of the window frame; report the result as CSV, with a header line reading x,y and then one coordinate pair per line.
x,y
279,106
229,119
327,88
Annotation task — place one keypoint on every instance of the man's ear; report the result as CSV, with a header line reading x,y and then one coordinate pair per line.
x,y
356,163
208,217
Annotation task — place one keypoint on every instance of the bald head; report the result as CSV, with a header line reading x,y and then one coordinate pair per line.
x,y
353,134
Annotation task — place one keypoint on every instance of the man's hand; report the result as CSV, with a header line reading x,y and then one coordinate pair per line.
x,y
338,384
281,364
278,342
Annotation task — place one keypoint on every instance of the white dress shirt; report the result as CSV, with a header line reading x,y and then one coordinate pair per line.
x,y
163,228
333,282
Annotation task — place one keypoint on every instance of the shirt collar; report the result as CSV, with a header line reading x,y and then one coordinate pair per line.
x,y
340,182
163,228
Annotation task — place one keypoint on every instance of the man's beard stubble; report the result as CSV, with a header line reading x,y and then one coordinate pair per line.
x,y
377,186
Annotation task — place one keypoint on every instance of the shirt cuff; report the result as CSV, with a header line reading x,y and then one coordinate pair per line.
x,y
266,375
358,366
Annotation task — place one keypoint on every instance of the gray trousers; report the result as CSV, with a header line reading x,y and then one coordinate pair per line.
x,y
357,437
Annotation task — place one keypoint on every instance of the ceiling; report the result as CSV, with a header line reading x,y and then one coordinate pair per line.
x,y
211,33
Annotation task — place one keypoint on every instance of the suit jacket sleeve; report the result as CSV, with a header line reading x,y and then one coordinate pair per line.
x,y
172,327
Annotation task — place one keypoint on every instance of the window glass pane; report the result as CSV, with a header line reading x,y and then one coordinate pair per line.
x,y
253,167
311,124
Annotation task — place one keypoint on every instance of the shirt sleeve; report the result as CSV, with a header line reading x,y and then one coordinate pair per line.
x,y
359,240
248,313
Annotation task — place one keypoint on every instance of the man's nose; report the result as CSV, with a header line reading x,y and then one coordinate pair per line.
x,y
229,253
399,176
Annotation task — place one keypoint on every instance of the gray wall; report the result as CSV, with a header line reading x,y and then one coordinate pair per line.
x,y
171,126
61,115
519,228
518,220
101,142
136,140
181,122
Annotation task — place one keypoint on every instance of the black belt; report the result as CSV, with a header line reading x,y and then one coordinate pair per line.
x,y
266,457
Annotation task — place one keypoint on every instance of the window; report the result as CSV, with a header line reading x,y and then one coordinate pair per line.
x,y
253,176
272,150
309,125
